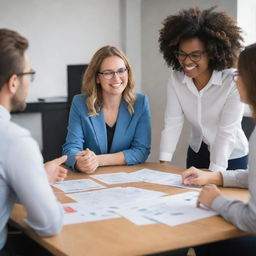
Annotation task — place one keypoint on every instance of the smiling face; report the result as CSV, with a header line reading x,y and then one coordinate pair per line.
x,y
118,81
196,65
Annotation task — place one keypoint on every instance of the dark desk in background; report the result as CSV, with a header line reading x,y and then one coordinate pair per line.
x,y
55,114
54,125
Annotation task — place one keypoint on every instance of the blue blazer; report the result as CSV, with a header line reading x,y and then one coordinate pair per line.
x,y
132,133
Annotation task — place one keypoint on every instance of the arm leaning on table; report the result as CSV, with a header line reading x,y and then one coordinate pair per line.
x,y
243,215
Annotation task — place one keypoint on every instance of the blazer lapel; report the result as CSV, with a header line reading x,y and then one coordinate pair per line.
x,y
122,124
99,127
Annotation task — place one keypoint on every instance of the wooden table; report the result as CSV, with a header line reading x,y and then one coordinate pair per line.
x,y
121,237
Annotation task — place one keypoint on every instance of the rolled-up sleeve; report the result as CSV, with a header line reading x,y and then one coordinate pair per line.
x,y
241,214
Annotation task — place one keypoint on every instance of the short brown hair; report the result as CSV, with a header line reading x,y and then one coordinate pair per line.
x,y
12,48
247,69
93,91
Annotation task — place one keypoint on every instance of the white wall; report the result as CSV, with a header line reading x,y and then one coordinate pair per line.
x,y
246,18
32,122
131,35
154,71
61,32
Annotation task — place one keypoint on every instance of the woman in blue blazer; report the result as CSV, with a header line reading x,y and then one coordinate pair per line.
x,y
108,124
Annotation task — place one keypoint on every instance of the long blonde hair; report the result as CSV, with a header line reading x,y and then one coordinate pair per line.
x,y
92,89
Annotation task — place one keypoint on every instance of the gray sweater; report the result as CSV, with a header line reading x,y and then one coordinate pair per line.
x,y
240,214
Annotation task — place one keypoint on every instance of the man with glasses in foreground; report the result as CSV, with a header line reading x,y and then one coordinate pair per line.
x,y
201,47
23,176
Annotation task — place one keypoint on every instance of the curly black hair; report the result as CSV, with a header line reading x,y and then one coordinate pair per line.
x,y
217,30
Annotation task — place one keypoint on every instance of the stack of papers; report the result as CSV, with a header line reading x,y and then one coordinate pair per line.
x,y
170,210
116,178
77,213
69,186
162,178
103,204
114,198
140,206
144,175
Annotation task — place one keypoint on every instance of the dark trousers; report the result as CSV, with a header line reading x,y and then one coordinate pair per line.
x,y
19,244
234,247
201,159
5,252
179,252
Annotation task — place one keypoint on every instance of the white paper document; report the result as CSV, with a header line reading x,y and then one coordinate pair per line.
x,y
103,204
69,186
115,178
134,213
162,178
77,213
113,198
170,210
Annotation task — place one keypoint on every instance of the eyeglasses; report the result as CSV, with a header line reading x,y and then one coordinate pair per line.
x,y
32,74
235,76
193,56
110,74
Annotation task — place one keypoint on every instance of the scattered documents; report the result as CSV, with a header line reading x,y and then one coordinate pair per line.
x,y
162,178
134,213
77,213
140,206
113,198
116,178
102,204
144,175
181,209
69,186
170,210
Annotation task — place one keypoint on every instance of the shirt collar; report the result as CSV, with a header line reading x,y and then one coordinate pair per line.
x,y
215,79
4,113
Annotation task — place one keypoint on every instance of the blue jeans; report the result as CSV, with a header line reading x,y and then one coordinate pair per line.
x,y
201,159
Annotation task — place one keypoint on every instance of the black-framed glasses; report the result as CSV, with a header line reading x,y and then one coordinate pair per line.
x,y
235,75
193,56
32,74
109,74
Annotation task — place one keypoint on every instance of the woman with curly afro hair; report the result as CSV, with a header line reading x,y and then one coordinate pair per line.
x,y
201,47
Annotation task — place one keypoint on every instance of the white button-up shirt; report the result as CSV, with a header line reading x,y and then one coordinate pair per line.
x,y
215,114
23,179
